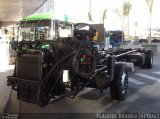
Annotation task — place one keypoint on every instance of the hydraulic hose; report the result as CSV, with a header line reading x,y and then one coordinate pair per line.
x,y
45,80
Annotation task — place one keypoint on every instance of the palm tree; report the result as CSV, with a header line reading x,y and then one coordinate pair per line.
x,y
90,11
150,6
104,16
90,17
126,11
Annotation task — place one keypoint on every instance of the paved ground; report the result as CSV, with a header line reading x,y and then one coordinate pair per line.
x,y
4,90
143,96
5,70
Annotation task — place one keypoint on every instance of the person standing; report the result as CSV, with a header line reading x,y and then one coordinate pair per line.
x,y
12,47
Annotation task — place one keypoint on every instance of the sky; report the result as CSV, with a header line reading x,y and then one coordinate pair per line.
x,y
78,10
139,13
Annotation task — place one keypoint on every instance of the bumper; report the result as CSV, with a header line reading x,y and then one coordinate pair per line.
x,y
26,89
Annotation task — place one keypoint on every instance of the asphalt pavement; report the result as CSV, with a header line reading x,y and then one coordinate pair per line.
x,y
5,91
5,70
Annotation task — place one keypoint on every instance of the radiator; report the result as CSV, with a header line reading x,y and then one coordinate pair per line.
x,y
29,67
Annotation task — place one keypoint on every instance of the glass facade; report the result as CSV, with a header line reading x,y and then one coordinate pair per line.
x,y
48,6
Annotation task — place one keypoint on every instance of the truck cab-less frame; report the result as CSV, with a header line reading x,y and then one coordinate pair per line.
x,y
48,69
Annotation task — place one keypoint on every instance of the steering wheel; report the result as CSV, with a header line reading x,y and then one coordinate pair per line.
x,y
81,29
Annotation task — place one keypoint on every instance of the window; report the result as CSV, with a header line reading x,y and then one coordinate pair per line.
x,y
35,30
65,30
42,33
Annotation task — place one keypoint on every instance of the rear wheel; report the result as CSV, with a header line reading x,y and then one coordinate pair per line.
x,y
148,60
119,85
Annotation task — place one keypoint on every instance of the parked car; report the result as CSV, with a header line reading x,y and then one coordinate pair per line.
x,y
143,41
155,41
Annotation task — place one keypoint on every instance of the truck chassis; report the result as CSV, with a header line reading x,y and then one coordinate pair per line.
x,y
47,70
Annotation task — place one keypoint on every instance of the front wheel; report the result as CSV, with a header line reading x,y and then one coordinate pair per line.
x,y
119,85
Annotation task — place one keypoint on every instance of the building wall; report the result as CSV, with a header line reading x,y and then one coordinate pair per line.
x,y
47,7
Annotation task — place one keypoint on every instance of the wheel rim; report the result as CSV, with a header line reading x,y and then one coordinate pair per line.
x,y
124,82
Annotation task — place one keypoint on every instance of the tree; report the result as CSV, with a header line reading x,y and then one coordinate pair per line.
x,y
150,6
90,11
126,11
90,17
104,16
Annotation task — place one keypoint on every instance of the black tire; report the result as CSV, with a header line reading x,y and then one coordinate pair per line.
x,y
149,59
119,85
